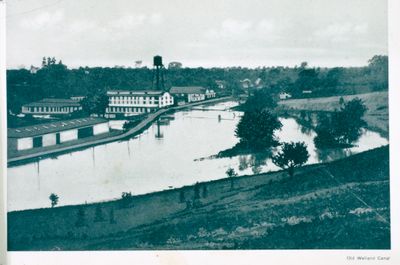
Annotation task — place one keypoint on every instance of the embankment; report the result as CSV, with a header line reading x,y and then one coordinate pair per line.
x,y
340,205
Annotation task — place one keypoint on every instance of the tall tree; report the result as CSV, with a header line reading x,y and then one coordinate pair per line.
x,y
256,130
342,127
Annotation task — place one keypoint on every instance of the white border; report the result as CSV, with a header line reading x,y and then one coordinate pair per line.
x,y
3,158
394,123
241,257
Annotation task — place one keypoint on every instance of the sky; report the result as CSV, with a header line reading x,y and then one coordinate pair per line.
x,y
202,33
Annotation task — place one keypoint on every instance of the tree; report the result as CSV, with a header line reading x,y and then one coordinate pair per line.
x,y
205,191
196,191
112,216
378,67
332,79
126,199
291,156
81,217
341,101
95,103
379,62
98,214
231,173
307,80
256,130
303,65
341,127
260,100
54,199
348,122
181,196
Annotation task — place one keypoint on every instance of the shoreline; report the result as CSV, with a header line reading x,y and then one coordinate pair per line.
x,y
209,182
376,116
139,128
258,202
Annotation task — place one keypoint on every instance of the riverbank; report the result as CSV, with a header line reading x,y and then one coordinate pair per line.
x,y
377,115
342,204
31,155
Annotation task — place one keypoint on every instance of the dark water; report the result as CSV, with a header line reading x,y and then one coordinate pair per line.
x,y
164,156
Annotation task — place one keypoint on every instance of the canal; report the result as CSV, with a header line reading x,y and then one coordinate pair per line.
x,y
171,153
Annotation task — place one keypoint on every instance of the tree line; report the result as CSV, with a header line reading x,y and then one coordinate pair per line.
x,y
55,79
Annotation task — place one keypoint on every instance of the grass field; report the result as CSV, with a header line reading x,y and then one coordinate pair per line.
x,y
339,205
377,116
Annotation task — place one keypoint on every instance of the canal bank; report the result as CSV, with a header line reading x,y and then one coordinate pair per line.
x,y
107,138
342,204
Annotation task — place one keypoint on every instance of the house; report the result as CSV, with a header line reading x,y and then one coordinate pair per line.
x,y
259,83
246,83
210,94
189,94
77,98
53,133
220,84
307,91
51,106
34,69
284,95
134,102
174,65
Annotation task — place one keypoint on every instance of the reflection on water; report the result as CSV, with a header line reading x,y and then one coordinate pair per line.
x,y
163,156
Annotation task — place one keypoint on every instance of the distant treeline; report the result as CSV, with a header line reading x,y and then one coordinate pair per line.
x,y
54,79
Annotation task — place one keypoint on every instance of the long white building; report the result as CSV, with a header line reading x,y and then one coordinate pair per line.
x,y
54,133
130,102
51,106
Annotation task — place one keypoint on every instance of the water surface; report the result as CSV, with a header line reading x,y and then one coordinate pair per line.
x,y
162,157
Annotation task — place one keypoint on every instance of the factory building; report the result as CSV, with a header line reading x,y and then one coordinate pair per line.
x,y
51,106
189,94
53,133
129,103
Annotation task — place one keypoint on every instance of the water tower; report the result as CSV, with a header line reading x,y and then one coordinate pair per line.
x,y
158,73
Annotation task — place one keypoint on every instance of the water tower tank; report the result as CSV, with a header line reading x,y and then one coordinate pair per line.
x,y
157,60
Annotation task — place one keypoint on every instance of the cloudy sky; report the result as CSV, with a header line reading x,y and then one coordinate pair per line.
x,y
197,33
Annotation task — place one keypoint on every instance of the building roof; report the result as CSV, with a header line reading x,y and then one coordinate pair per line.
x,y
187,90
53,102
51,127
135,92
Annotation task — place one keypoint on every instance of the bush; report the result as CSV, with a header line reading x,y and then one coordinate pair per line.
x,y
291,156
54,199
126,199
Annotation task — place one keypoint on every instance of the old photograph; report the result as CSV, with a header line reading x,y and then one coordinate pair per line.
x,y
197,125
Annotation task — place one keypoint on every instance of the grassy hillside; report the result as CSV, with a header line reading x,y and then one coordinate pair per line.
x,y
343,205
377,116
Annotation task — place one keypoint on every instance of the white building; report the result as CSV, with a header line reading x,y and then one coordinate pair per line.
x,y
307,91
54,133
191,93
33,69
284,95
51,106
130,102
221,84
